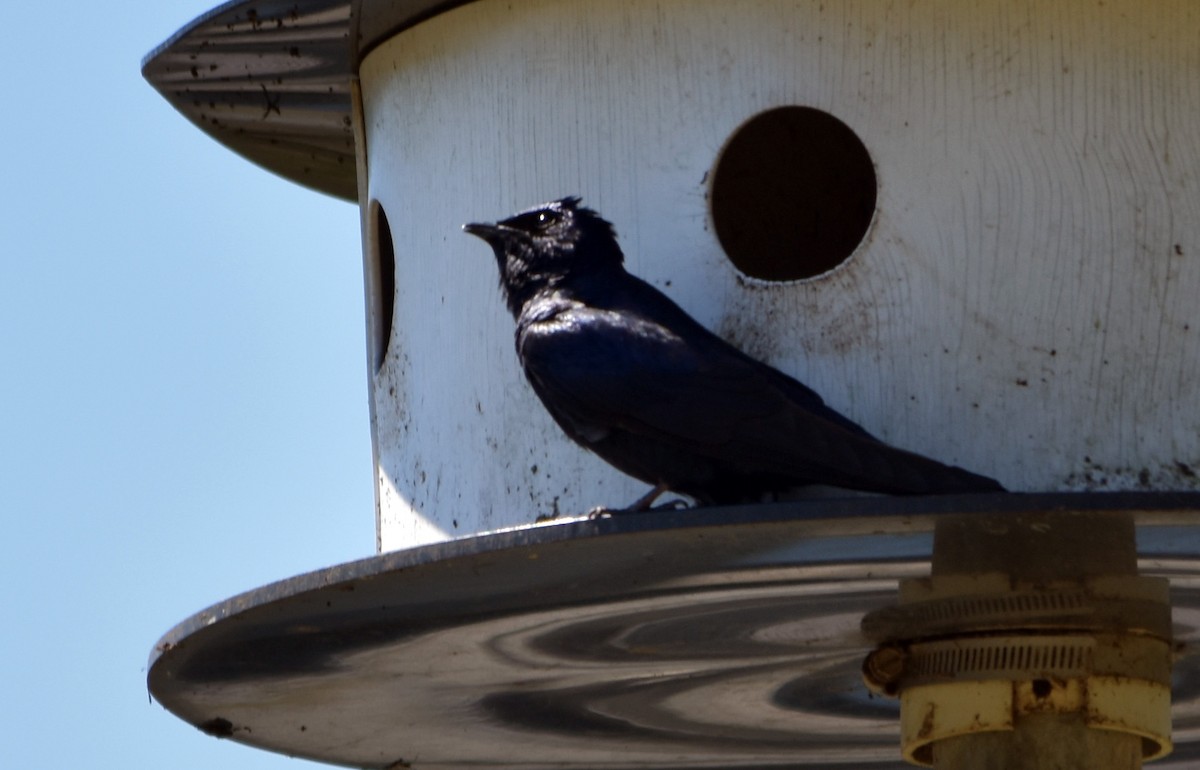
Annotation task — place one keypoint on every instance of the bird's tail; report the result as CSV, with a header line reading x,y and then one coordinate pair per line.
x,y
899,472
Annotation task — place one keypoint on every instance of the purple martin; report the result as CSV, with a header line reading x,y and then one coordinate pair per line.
x,y
629,375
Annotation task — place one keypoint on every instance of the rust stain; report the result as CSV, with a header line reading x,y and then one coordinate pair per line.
x,y
928,723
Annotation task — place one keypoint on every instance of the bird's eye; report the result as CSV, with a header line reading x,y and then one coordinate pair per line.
x,y
535,221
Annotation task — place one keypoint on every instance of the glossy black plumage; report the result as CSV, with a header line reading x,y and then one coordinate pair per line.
x,y
630,376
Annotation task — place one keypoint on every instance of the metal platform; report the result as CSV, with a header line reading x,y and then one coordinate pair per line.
x,y
718,637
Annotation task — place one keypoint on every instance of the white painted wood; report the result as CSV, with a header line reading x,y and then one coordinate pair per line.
x,y
1024,304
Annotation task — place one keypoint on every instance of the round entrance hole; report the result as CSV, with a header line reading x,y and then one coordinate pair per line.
x,y
381,283
793,194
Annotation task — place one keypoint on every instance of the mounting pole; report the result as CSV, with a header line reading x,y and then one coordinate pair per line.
x,y
1033,645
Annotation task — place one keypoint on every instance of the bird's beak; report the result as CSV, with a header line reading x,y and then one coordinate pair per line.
x,y
493,234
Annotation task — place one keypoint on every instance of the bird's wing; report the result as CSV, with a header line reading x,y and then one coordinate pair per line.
x,y
669,380
596,370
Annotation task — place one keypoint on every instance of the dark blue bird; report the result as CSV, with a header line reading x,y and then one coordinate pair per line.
x,y
632,377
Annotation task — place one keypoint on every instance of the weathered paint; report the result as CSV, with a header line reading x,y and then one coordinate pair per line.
x,y
1023,305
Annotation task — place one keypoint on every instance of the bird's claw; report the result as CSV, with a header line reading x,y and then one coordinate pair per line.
x,y
603,512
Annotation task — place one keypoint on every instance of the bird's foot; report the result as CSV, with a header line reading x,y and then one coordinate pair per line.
x,y
643,504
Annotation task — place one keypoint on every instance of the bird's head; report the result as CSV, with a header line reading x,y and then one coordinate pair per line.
x,y
541,246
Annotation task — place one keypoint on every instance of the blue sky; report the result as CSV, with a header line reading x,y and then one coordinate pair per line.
x,y
183,385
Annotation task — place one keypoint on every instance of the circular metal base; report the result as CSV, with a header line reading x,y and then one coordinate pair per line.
x,y
717,637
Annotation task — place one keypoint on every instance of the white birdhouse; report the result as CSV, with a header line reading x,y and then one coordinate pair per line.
x,y
974,228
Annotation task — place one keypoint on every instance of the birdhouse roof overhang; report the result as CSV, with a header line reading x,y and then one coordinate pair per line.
x,y
272,80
